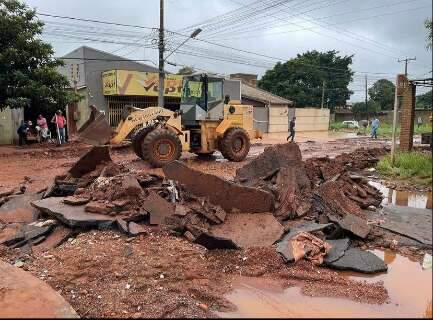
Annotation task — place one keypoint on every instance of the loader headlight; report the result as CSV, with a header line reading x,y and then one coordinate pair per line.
x,y
232,109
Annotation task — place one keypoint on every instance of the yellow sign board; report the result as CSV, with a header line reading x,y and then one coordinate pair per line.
x,y
136,83
109,83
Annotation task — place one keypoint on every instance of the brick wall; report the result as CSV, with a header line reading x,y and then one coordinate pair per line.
x,y
407,117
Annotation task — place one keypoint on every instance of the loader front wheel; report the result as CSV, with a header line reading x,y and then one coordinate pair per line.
x,y
161,147
137,140
235,144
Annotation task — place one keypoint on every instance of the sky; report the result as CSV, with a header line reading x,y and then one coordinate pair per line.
x,y
376,33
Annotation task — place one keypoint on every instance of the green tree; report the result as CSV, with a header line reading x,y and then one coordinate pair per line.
x,y
186,71
28,71
425,101
429,25
358,108
383,92
301,79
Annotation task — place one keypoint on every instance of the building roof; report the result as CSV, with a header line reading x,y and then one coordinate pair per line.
x,y
85,52
262,95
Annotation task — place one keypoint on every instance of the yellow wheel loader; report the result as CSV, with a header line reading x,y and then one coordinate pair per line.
x,y
206,122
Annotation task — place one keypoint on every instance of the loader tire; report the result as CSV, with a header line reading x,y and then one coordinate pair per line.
x,y
161,147
235,144
137,140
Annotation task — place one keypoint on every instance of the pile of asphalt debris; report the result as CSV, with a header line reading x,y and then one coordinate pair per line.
x,y
313,209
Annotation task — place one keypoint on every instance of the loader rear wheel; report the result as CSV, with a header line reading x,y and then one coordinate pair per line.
x,y
160,147
235,144
137,140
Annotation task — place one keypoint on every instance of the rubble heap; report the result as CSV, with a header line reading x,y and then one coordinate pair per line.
x,y
324,196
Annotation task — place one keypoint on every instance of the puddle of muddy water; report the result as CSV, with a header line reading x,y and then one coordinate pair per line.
x,y
421,200
409,288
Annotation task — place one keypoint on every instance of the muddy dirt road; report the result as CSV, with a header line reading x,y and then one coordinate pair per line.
x,y
106,273
41,165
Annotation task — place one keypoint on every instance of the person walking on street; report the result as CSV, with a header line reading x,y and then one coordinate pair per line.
x,y
374,126
60,122
22,131
292,125
43,127
419,122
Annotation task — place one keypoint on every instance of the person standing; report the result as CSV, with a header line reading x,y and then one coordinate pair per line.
x,y
374,126
60,122
22,131
292,125
43,127
419,122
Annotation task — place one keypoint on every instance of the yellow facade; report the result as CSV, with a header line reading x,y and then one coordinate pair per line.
x,y
136,83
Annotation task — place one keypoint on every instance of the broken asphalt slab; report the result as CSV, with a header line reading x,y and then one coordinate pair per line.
x,y
90,160
25,296
230,196
26,233
353,224
19,210
355,259
158,208
272,159
72,216
249,230
338,249
284,246
409,222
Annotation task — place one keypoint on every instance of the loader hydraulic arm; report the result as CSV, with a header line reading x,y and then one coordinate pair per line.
x,y
143,118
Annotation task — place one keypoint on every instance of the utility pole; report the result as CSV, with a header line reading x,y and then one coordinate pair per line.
x,y
161,47
323,92
405,63
366,97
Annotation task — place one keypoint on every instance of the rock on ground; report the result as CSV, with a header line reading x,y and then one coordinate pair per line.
x,y
72,216
228,195
25,296
355,259
250,230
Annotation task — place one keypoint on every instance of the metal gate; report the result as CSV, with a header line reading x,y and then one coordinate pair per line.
x,y
261,118
117,103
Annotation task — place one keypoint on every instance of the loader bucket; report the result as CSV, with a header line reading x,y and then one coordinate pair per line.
x,y
96,130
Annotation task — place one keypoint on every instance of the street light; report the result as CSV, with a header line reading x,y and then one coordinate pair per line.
x,y
192,36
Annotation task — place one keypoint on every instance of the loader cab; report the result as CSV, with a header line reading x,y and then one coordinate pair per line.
x,y
202,99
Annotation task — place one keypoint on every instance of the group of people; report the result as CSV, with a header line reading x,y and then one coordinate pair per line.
x,y
374,127
24,130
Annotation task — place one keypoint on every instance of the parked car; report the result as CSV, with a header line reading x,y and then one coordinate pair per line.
x,y
351,124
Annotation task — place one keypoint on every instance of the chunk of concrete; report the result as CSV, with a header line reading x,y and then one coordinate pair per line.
x,y
130,186
72,216
353,224
28,297
158,208
230,196
75,201
54,239
355,259
212,242
97,207
122,224
338,249
250,230
19,210
89,161
273,158
136,229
